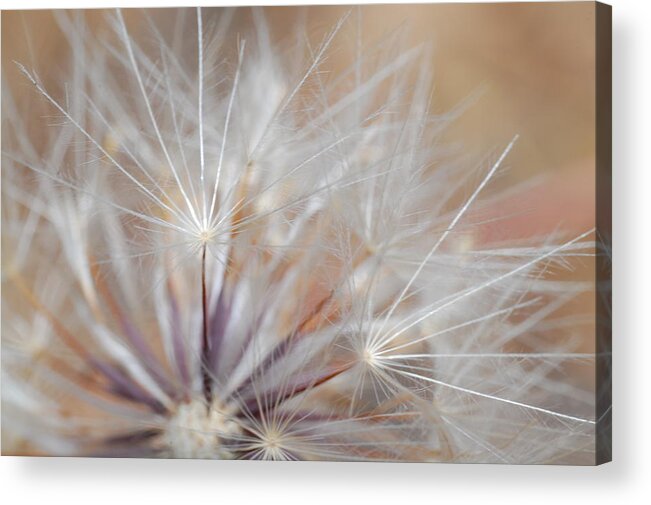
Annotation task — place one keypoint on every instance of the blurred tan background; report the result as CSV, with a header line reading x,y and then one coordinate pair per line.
x,y
533,66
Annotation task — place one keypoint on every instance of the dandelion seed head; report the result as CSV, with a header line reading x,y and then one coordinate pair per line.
x,y
206,236
197,431
272,445
369,357
226,250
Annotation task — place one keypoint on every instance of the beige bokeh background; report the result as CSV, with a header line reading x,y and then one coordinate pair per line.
x,y
531,67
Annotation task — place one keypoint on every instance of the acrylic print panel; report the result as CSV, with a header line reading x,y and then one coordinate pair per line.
x,y
307,233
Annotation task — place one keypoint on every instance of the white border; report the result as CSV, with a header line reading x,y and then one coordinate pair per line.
x,y
627,480
95,4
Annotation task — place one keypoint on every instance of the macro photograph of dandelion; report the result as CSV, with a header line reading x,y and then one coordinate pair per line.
x,y
373,233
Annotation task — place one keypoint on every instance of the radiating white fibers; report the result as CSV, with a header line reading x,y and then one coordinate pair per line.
x,y
214,247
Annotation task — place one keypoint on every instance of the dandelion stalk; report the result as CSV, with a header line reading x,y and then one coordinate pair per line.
x,y
205,343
